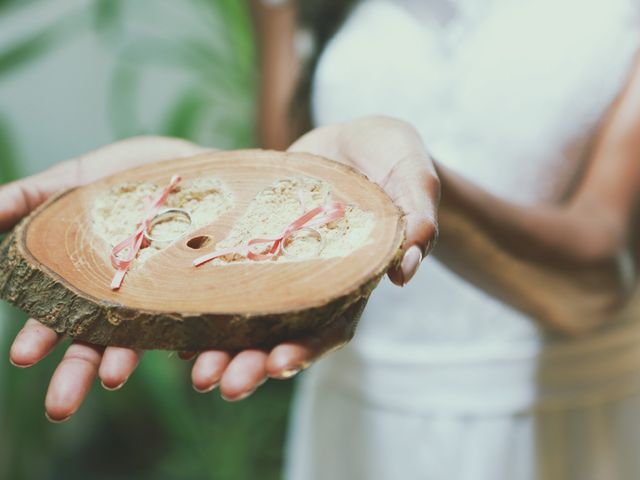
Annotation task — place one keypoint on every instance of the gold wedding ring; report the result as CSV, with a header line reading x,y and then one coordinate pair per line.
x,y
302,232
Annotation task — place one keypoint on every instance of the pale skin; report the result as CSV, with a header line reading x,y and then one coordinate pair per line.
x,y
549,248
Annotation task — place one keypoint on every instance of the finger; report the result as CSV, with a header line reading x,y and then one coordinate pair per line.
x,y
414,187
133,151
245,373
208,370
288,359
117,365
32,344
408,267
72,380
321,141
18,199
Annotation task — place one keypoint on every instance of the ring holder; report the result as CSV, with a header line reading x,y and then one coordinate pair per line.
x,y
55,266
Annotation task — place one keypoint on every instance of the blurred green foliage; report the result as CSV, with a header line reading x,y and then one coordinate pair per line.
x,y
216,105
156,427
8,153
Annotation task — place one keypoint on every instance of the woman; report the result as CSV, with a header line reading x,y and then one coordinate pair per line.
x,y
532,112
537,105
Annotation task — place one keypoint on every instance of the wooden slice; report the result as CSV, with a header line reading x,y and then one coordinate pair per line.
x,y
54,266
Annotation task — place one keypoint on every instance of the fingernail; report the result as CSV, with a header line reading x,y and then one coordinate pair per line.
x,y
427,249
291,372
240,397
208,389
113,389
18,365
410,264
56,421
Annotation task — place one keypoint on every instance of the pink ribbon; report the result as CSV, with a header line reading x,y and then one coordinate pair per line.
x,y
315,217
137,241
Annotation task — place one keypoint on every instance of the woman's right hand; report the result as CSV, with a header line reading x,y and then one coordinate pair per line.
x,y
82,362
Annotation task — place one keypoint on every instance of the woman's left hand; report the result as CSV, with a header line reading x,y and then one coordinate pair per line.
x,y
391,153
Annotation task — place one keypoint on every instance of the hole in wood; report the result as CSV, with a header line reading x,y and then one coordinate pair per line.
x,y
197,243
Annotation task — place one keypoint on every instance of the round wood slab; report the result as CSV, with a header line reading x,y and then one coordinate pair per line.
x,y
54,267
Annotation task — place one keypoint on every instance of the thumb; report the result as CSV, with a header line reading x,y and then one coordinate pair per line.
x,y
413,185
19,198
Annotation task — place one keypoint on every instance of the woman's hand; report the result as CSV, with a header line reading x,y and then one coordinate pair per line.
x,y
82,362
238,374
391,153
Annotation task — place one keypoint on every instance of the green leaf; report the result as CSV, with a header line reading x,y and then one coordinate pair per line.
x,y
183,118
122,107
38,44
7,4
107,15
8,153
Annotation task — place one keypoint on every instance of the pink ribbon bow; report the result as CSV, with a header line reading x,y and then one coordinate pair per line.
x,y
313,218
137,241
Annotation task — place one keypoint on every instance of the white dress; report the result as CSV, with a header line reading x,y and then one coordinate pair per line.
x,y
442,381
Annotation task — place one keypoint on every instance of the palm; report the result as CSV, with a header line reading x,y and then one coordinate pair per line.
x,y
392,154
